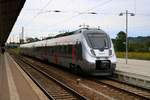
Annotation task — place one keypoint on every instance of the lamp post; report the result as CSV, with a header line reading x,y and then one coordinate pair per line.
x,y
131,14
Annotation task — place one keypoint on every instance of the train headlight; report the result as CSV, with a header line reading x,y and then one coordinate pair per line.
x,y
92,51
110,52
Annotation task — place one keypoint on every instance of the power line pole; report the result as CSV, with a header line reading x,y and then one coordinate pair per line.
x,y
10,39
22,36
131,14
13,39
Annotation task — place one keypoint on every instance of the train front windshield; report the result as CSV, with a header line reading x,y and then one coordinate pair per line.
x,y
98,41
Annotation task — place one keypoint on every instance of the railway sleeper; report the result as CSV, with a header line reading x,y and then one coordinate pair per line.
x,y
58,92
64,97
68,99
58,89
62,94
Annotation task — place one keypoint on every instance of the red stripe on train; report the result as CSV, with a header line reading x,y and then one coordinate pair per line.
x,y
73,54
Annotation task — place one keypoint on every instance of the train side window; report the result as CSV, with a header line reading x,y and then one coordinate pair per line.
x,y
69,50
63,50
78,50
49,50
59,49
55,49
52,50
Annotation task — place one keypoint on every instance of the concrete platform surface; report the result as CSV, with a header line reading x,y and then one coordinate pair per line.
x,y
135,72
14,82
140,67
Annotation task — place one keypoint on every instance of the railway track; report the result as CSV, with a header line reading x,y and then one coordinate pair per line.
x,y
109,87
54,89
136,91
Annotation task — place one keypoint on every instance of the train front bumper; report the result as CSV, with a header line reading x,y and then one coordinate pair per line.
x,y
101,68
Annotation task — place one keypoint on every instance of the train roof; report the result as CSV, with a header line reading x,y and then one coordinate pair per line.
x,y
59,39
66,40
87,30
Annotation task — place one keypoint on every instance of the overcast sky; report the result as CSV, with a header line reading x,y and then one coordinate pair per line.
x,y
38,22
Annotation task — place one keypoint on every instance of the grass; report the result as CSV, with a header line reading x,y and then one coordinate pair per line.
x,y
14,50
135,55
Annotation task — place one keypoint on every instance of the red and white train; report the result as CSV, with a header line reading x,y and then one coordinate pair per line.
x,y
89,50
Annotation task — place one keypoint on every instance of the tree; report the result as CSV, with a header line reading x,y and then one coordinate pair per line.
x,y
32,39
21,41
120,41
147,45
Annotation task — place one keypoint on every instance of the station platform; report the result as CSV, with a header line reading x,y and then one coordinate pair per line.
x,y
15,83
141,67
136,72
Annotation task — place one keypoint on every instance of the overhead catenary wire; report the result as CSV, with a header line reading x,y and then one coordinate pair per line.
x,y
81,13
50,1
41,10
66,20
99,5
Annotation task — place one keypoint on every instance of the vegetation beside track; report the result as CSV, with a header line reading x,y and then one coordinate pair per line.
x,y
14,50
138,47
134,55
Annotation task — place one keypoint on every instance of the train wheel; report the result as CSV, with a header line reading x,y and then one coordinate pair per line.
x,y
71,66
78,69
75,68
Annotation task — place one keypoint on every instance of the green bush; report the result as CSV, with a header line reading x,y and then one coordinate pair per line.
x,y
134,55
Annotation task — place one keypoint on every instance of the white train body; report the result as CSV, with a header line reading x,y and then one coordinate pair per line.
x,y
89,50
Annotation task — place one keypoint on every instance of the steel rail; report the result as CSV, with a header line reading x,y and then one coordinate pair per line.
x,y
122,89
72,91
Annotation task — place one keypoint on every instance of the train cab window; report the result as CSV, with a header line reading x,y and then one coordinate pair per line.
x,y
98,41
